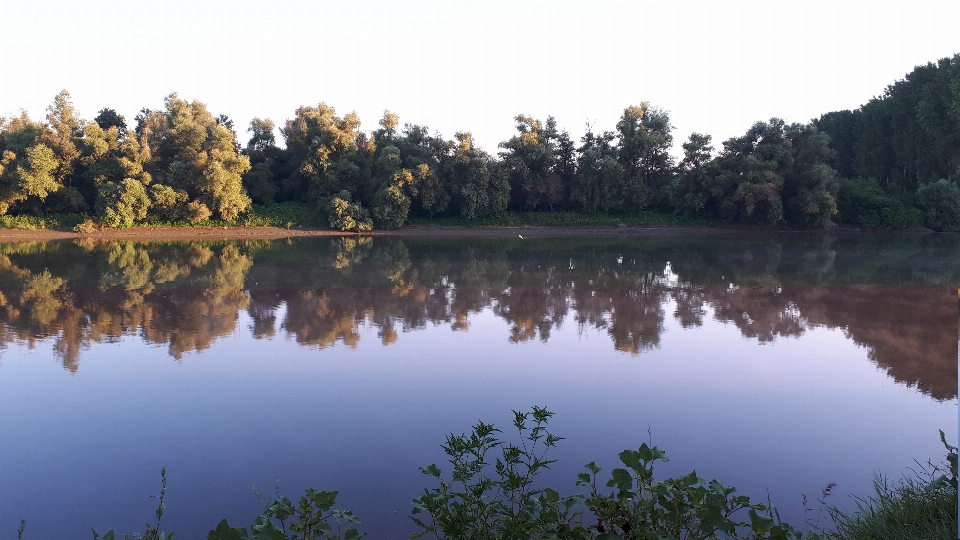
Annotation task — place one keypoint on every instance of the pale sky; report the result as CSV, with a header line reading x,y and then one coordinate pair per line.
x,y
716,66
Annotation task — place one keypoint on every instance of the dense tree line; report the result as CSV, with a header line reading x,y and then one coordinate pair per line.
x,y
892,163
899,154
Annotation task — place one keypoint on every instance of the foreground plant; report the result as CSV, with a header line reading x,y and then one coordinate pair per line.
x,y
913,508
686,507
489,497
311,519
477,502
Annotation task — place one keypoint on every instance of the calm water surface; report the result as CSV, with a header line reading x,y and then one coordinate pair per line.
x,y
775,364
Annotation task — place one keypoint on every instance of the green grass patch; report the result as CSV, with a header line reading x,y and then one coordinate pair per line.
x,y
564,219
286,215
52,221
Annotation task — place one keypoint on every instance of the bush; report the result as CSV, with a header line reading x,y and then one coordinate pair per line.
x,y
197,212
940,202
863,203
391,207
168,203
347,216
123,204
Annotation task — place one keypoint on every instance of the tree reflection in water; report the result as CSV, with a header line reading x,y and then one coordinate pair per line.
x,y
888,295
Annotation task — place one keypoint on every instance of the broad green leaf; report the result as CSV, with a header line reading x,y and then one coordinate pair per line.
x,y
431,469
324,500
759,523
225,532
631,458
353,534
621,479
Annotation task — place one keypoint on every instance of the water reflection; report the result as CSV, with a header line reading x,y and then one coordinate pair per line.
x,y
889,295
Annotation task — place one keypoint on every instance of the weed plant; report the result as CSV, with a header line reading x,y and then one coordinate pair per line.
x,y
919,507
491,492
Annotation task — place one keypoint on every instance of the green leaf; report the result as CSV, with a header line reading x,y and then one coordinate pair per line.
x,y
225,532
353,534
264,529
759,523
432,470
621,479
631,458
583,479
323,500
593,467
648,454
281,509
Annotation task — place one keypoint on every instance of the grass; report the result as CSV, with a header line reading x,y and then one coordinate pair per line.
x,y
53,221
920,507
298,215
911,509
563,219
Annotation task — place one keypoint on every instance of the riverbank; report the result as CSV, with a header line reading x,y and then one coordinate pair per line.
x,y
255,233
208,232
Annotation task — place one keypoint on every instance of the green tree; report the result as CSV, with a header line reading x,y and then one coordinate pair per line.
x,y
689,190
122,204
321,145
940,202
749,185
37,172
597,183
196,152
18,135
477,186
63,133
809,184
391,206
529,159
346,215
262,137
643,152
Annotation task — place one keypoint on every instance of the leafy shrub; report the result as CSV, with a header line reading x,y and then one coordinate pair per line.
x,y
123,204
347,216
168,203
310,519
477,504
684,507
864,203
940,202
391,207
284,214
197,212
503,503
87,226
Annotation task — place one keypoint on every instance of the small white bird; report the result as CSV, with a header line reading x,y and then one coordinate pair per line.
x,y
521,236
620,259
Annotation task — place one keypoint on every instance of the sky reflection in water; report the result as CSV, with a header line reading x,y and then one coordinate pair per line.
x,y
769,364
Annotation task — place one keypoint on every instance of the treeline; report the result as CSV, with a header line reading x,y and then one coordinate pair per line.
x,y
892,163
892,152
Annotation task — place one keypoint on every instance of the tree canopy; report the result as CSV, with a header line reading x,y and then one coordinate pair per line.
x,y
889,163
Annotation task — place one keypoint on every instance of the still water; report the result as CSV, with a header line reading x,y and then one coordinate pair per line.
x,y
776,364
